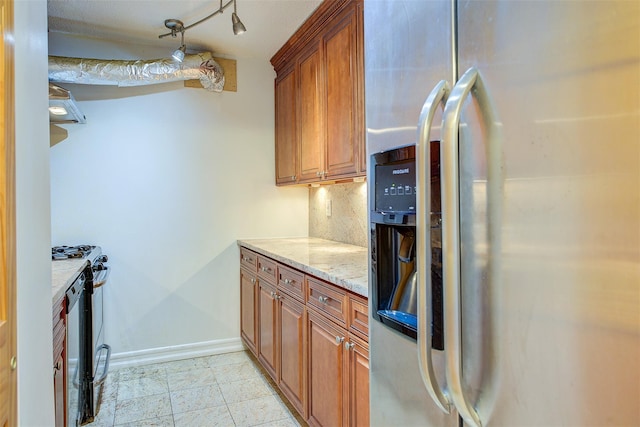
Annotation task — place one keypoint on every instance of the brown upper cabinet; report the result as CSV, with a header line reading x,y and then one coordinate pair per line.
x,y
319,97
286,130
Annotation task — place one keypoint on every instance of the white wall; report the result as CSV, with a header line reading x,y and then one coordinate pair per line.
x,y
166,179
35,358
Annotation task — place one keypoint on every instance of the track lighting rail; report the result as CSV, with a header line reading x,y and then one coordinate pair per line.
x,y
219,11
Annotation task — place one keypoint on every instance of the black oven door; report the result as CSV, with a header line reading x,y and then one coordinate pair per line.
x,y
75,366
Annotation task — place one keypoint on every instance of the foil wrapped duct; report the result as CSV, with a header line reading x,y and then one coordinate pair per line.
x,y
125,73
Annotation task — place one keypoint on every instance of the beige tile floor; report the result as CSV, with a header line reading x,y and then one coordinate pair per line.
x,y
221,390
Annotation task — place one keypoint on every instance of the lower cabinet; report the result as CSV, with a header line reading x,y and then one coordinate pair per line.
x,y
292,316
338,375
282,337
268,327
319,360
358,360
327,367
59,363
248,308
59,390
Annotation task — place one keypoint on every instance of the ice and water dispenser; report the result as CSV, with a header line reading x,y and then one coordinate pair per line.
x,y
393,242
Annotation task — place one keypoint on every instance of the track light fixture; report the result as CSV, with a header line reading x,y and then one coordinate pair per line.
x,y
176,26
238,26
178,54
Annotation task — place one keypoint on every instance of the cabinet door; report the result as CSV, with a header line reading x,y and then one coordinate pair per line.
x,y
343,73
358,399
59,391
248,309
285,123
327,395
292,317
267,327
310,110
59,362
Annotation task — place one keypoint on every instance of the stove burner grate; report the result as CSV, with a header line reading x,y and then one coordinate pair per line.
x,y
69,252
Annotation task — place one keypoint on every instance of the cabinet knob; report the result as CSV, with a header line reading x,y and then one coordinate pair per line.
x,y
275,296
339,339
323,299
293,177
253,281
13,363
349,345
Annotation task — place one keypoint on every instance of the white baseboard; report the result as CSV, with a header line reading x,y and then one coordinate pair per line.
x,y
177,352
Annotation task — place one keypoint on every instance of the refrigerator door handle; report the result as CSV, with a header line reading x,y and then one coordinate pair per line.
x,y
470,80
423,200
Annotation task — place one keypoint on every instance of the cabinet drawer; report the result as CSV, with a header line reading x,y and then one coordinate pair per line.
x,y
59,327
248,259
291,282
59,336
328,299
358,318
58,311
267,269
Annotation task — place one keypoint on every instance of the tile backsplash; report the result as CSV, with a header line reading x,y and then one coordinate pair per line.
x,y
347,204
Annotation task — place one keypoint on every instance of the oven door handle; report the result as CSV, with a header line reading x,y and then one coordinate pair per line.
x,y
101,277
106,363
74,380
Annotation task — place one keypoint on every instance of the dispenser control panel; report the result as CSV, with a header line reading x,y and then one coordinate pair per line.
x,y
395,187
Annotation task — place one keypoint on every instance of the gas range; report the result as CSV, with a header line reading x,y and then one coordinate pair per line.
x,y
86,327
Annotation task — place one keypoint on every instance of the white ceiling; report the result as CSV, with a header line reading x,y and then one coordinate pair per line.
x,y
269,23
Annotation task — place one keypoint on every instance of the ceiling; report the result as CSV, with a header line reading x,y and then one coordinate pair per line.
x,y
269,23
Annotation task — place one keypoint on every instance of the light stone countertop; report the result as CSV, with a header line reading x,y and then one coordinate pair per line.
x,y
63,273
338,263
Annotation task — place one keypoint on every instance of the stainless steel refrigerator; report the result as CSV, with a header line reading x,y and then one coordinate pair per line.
x,y
535,107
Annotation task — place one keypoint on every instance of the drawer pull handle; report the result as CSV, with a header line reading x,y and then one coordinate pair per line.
x,y
288,281
247,259
266,269
323,299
